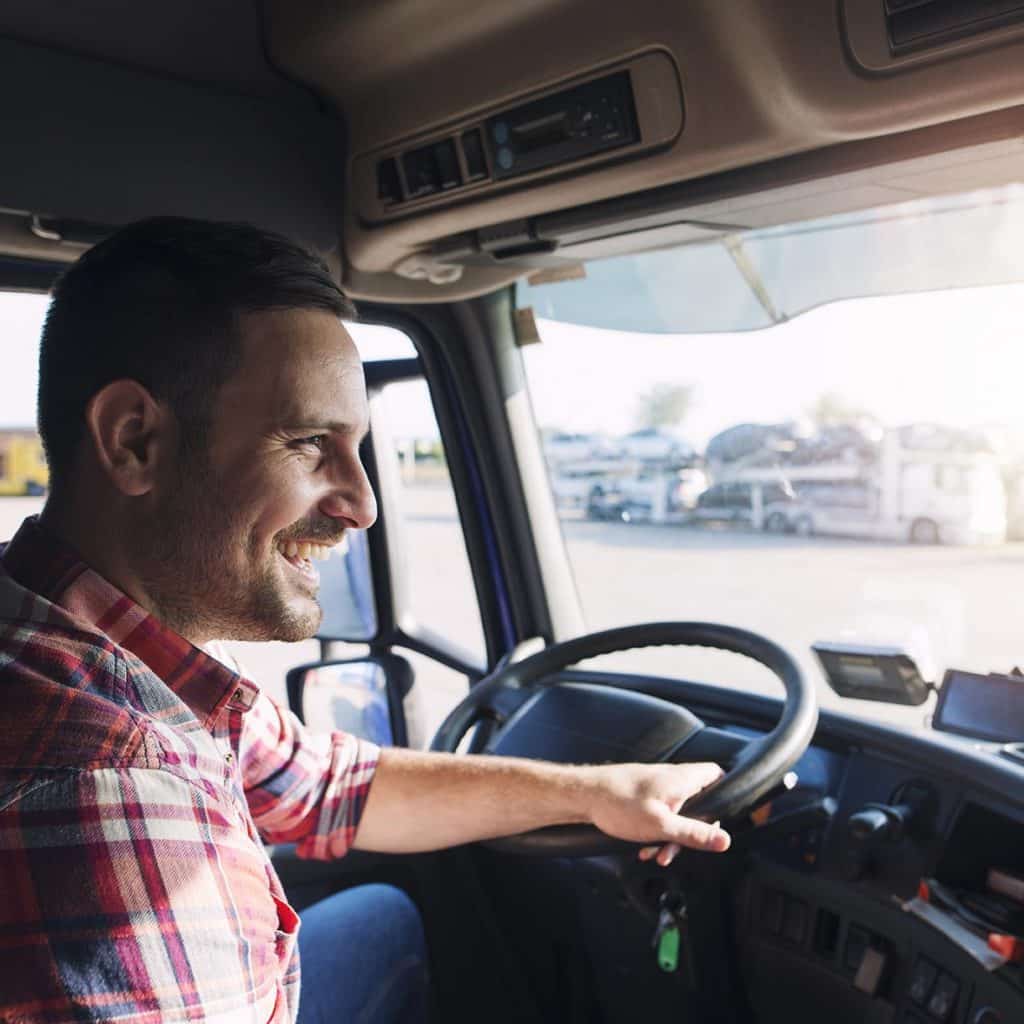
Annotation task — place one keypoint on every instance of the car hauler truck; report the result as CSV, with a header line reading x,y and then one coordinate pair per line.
x,y
923,484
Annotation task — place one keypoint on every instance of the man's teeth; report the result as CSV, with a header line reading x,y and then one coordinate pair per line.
x,y
318,552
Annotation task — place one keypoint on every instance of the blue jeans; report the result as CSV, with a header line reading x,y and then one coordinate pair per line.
x,y
363,959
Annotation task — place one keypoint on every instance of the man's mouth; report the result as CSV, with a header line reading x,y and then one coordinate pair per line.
x,y
300,555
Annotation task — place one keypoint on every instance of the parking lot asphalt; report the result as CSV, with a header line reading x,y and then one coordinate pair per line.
x,y
953,606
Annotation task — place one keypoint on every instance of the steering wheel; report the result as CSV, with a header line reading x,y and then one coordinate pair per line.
x,y
753,769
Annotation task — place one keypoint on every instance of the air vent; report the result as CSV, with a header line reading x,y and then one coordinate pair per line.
x,y
918,24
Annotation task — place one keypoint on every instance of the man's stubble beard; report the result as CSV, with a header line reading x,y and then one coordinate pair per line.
x,y
191,551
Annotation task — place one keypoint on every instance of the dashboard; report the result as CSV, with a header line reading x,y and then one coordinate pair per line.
x,y
835,892
848,908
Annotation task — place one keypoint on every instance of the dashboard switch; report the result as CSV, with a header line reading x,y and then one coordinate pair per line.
x,y
922,981
422,177
473,151
389,190
870,972
943,999
447,164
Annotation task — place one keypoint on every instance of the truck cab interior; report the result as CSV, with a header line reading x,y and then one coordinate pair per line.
x,y
535,207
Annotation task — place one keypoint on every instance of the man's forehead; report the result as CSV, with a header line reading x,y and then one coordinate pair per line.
x,y
297,336
299,365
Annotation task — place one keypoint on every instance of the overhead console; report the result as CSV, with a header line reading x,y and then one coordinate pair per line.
x,y
890,35
616,113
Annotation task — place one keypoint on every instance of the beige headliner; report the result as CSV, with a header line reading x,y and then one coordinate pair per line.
x,y
761,80
793,109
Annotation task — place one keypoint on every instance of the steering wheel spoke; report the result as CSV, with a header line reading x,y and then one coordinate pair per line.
x,y
710,744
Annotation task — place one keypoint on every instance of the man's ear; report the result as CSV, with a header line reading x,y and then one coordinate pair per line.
x,y
129,430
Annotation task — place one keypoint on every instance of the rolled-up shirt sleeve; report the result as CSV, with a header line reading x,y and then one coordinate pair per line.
x,y
303,787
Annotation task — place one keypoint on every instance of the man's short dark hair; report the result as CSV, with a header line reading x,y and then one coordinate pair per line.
x,y
159,302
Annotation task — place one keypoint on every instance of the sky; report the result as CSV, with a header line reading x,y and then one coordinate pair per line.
x,y
954,357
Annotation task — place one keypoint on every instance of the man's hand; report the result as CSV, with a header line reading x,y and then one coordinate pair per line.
x,y
640,803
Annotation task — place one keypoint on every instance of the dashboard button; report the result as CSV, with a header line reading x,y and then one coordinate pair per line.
x,y
870,972
421,173
447,164
922,981
388,188
943,999
473,150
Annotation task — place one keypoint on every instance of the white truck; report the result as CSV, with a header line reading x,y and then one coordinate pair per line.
x,y
927,485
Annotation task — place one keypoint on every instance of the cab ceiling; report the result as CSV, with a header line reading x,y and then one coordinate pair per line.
x,y
261,110
762,80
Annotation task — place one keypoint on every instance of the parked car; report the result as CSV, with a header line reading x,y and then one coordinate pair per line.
x,y
658,496
574,483
651,444
750,503
566,447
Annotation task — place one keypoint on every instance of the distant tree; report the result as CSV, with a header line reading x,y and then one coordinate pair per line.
x,y
833,410
664,405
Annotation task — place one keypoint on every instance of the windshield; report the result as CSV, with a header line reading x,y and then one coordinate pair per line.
x,y
854,474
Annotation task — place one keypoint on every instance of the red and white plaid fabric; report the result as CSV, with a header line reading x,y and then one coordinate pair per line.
x,y
138,775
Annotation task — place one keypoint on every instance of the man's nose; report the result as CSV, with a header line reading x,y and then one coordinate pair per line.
x,y
351,499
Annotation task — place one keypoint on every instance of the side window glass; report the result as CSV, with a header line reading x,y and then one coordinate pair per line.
x,y
441,593
440,585
23,474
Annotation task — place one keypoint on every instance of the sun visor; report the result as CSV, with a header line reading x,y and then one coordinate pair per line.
x,y
746,280
95,144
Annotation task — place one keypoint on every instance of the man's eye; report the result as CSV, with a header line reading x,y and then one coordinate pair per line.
x,y
317,441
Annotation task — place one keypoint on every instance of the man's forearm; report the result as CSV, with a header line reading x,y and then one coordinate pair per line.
x,y
426,801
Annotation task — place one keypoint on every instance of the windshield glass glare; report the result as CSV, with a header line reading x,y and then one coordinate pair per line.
x,y
854,474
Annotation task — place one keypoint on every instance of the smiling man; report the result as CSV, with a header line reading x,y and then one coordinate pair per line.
x,y
202,408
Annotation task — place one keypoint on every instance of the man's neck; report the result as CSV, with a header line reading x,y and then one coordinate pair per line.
x,y
99,542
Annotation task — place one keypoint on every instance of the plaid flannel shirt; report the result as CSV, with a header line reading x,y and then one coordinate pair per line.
x,y
138,775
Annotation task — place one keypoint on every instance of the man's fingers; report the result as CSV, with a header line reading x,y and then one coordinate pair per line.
x,y
697,835
667,854
664,854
